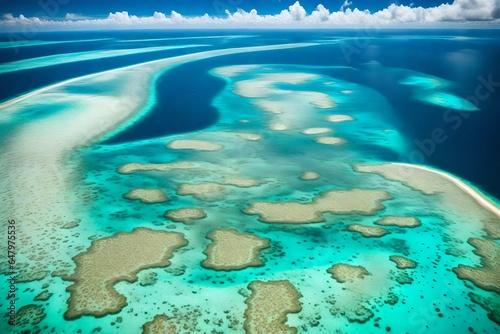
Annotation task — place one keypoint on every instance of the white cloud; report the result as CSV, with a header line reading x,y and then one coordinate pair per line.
x,y
74,16
460,11
345,5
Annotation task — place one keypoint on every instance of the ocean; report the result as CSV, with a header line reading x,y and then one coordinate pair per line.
x,y
303,142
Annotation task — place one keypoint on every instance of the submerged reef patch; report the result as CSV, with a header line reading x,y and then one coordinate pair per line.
x,y
113,259
147,196
159,325
268,306
402,262
343,272
29,315
250,136
214,191
140,167
400,221
233,250
368,231
185,215
353,201
489,304
486,277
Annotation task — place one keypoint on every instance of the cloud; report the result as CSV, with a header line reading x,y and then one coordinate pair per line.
x,y
295,16
345,5
74,16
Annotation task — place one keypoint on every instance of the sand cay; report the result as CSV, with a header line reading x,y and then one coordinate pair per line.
x,y
309,176
339,118
113,259
195,145
334,141
268,306
486,277
316,131
233,250
368,231
148,196
353,201
343,272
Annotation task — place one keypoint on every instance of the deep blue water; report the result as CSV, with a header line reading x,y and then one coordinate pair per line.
x,y
184,94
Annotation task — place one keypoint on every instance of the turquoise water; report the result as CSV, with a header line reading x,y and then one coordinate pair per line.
x,y
63,148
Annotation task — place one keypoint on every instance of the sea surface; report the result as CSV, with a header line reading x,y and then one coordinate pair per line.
x,y
421,97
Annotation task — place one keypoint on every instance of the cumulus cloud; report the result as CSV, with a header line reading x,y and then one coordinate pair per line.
x,y
295,16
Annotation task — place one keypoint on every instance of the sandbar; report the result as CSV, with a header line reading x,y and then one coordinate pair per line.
x,y
233,250
278,126
486,277
195,145
403,262
263,85
343,272
368,231
316,131
147,196
308,176
352,201
268,307
250,136
273,107
113,259
339,118
400,221
330,140
427,180
319,100
185,215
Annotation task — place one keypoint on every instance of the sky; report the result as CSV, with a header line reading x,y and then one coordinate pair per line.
x,y
98,14
99,8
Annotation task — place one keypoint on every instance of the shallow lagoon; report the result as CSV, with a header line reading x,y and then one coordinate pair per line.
x,y
257,133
